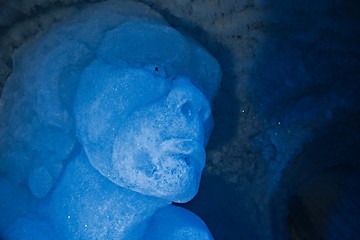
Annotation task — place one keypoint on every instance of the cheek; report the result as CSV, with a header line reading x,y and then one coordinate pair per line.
x,y
145,167
143,162
134,155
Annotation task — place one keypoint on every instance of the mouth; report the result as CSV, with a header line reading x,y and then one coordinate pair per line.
x,y
185,158
186,150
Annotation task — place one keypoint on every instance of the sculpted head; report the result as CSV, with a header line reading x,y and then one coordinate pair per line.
x,y
111,98
142,110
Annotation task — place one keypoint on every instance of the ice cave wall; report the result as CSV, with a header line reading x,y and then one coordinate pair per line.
x,y
290,81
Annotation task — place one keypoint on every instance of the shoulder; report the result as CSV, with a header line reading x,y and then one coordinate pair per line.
x,y
176,223
27,228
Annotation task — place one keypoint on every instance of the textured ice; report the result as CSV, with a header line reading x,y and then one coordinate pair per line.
x,y
103,123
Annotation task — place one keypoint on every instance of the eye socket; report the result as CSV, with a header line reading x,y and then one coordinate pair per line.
x,y
186,109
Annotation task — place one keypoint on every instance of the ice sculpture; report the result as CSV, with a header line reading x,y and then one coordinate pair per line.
x,y
103,123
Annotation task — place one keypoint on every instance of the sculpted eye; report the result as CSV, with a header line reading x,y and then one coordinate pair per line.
x,y
158,70
186,109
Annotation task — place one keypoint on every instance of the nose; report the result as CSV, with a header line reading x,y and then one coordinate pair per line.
x,y
189,100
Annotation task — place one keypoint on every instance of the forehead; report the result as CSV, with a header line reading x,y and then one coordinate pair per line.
x,y
136,63
162,50
140,42
120,88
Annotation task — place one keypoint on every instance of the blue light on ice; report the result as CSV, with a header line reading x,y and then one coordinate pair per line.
x,y
103,123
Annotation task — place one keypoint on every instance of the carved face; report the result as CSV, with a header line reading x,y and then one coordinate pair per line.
x,y
148,136
159,150
141,123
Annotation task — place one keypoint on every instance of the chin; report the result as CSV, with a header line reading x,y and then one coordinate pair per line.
x,y
184,198
186,192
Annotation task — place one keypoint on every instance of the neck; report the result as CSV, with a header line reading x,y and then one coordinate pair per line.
x,y
89,202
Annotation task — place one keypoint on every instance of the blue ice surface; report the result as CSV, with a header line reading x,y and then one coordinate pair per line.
x,y
103,123
305,77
